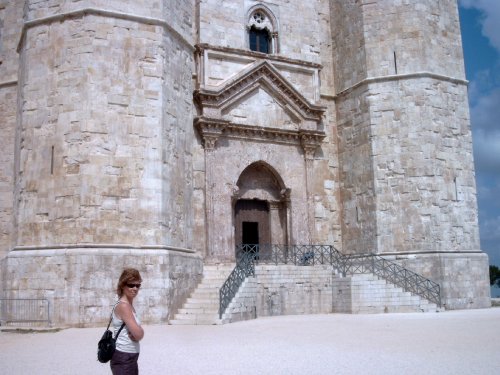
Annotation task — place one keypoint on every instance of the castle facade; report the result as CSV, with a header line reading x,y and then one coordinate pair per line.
x,y
161,134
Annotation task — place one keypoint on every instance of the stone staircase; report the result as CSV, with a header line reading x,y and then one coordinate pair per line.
x,y
368,294
202,307
291,290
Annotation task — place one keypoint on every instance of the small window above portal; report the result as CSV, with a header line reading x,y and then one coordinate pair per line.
x,y
259,40
262,30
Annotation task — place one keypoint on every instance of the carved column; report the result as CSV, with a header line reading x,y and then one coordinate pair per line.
x,y
309,144
285,199
274,42
210,132
277,231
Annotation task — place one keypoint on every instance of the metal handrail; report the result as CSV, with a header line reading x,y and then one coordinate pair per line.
x,y
388,270
245,266
24,310
304,255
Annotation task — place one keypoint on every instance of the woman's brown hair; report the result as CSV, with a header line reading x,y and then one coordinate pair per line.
x,y
128,275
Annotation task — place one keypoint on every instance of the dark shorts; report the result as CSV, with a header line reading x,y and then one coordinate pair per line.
x,y
124,363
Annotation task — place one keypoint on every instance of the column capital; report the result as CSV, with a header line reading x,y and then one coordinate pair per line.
x,y
210,131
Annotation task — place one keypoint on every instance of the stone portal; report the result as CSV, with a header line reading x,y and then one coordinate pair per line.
x,y
260,209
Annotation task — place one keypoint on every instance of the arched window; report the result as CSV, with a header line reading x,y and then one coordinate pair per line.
x,y
260,40
262,30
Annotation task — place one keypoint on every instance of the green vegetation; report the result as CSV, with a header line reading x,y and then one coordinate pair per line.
x,y
495,276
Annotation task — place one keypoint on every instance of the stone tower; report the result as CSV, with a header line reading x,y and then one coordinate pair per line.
x,y
405,148
161,134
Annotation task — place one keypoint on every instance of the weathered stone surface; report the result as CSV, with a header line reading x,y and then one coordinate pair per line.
x,y
144,124
79,283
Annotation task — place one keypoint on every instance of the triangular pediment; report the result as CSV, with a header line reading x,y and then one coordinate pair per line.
x,y
259,107
264,80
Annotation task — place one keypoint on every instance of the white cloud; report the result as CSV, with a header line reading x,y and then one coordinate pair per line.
x,y
487,152
485,114
485,122
490,22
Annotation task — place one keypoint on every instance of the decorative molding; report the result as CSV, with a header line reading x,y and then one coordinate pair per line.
x,y
211,129
119,247
80,13
262,73
399,77
201,47
309,143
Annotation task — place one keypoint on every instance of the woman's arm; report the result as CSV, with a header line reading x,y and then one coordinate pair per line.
x,y
124,311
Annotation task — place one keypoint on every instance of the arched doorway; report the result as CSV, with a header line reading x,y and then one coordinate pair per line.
x,y
261,204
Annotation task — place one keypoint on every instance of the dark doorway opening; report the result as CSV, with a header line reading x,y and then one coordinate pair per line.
x,y
250,232
251,222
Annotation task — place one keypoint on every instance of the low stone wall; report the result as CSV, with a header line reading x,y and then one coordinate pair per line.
x,y
282,290
292,290
463,276
80,282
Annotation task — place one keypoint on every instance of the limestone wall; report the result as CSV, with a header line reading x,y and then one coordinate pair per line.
x,y
393,37
292,290
349,56
105,124
10,32
356,172
80,283
8,104
404,138
424,170
412,36
11,12
463,276
224,24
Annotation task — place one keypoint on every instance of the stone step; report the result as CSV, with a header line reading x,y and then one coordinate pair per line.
x,y
202,301
201,310
195,321
202,306
202,318
205,294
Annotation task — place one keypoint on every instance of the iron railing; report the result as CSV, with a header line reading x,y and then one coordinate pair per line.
x,y
245,266
24,310
392,272
308,255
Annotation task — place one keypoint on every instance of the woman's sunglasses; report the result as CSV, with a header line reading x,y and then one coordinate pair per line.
x,y
133,286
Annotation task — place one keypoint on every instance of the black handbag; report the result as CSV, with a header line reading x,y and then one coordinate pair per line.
x,y
107,344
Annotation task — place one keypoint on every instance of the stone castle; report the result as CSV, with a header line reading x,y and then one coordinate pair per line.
x,y
161,134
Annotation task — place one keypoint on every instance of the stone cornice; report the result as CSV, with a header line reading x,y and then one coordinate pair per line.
x,y
399,77
257,55
309,139
118,247
79,13
7,84
262,72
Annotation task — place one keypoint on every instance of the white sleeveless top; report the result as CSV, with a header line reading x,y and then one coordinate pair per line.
x,y
123,342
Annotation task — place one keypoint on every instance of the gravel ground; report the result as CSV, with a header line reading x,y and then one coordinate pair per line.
x,y
452,342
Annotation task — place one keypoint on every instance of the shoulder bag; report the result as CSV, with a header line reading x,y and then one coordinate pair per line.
x,y
107,344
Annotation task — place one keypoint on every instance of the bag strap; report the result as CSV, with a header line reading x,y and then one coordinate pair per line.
x,y
111,318
123,325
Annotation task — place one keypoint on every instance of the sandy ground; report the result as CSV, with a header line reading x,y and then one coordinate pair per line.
x,y
453,342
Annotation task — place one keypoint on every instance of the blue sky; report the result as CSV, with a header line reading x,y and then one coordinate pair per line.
x,y
480,22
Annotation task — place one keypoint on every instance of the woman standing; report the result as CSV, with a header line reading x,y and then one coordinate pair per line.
x,y
124,361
